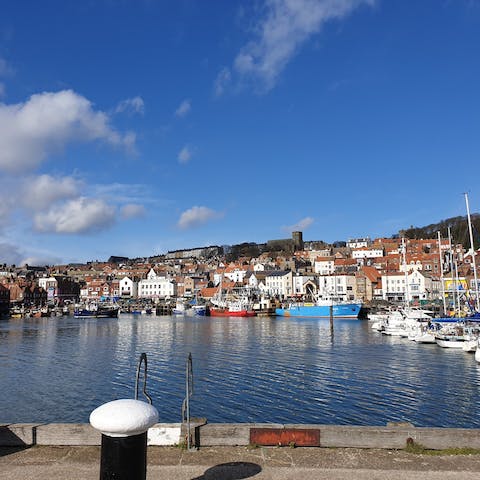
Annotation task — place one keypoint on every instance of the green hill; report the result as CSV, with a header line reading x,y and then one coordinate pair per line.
x,y
458,227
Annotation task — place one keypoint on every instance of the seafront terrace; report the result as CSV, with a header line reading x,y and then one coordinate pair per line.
x,y
227,451
229,463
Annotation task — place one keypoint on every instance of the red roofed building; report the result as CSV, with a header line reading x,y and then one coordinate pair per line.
x,y
367,281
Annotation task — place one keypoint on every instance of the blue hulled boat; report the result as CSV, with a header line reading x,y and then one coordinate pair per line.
x,y
321,309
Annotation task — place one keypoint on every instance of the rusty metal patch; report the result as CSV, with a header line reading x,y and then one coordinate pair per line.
x,y
283,437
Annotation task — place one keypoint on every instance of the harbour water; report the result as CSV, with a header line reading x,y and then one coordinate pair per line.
x,y
285,370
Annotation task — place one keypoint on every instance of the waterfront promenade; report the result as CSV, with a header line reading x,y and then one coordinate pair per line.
x,y
230,463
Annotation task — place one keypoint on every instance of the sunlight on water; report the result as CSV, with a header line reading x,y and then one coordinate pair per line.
x,y
283,370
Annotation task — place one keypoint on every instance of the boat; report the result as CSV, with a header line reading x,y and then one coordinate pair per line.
x,y
233,309
179,308
407,322
477,352
95,310
322,308
457,337
230,305
197,310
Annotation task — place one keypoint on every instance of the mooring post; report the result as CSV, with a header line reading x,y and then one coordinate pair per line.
x,y
331,320
124,425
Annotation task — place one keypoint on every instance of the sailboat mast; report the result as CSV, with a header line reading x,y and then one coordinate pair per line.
x,y
452,271
404,254
441,273
477,304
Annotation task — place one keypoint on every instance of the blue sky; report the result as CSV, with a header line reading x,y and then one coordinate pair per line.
x,y
134,127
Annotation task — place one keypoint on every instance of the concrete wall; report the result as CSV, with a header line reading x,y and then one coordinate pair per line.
x,y
218,434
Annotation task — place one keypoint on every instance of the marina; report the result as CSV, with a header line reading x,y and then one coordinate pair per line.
x,y
257,369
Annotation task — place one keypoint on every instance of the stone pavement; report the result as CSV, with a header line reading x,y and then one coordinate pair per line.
x,y
234,463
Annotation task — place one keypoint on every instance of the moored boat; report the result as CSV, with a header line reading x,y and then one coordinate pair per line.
x,y
96,311
321,309
230,312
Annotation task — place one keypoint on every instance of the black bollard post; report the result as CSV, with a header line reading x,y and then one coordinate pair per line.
x,y
124,425
331,320
124,457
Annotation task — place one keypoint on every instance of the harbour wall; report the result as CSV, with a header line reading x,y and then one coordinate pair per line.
x,y
392,436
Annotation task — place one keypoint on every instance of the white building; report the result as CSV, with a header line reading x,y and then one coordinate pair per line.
x,y
359,242
419,286
279,283
304,285
128,288
236,274
50,285
367,253
324,265
155,286
337,286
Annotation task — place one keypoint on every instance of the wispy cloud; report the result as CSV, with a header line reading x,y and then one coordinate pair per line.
x,y
46,123
131,106
121,192
278,36
222,82
301,225
197,216
132,210
183,109
184,155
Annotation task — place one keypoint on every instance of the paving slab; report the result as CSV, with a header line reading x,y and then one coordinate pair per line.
x,y
232,463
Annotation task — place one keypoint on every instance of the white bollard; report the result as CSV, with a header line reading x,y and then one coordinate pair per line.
x,y
124,425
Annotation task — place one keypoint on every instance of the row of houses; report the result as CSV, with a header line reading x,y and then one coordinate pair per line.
x,y
363,269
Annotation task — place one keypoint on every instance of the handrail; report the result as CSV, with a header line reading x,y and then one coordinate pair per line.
x,y
143,358
186,401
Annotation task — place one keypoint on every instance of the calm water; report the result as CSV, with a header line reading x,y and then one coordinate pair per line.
x,y
245,370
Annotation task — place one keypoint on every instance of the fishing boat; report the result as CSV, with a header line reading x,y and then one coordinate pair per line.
x,y
232,309
95,310
230,305
322,308
197,310
179,308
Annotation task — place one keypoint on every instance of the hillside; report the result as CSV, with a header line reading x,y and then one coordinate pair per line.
x,y
458,227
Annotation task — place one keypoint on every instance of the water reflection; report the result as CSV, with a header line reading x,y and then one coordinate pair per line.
x,y
282,370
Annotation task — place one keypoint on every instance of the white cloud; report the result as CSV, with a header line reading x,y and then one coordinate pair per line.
x,y
183,109
285,26
301,225
41,260
80,215
222,81
42,191
184,155
197,216
131,105
46,123
132,210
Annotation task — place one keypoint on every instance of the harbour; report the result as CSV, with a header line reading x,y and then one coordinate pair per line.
x,y
260,369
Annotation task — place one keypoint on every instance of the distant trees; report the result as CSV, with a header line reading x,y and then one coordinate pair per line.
x,y
458,227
